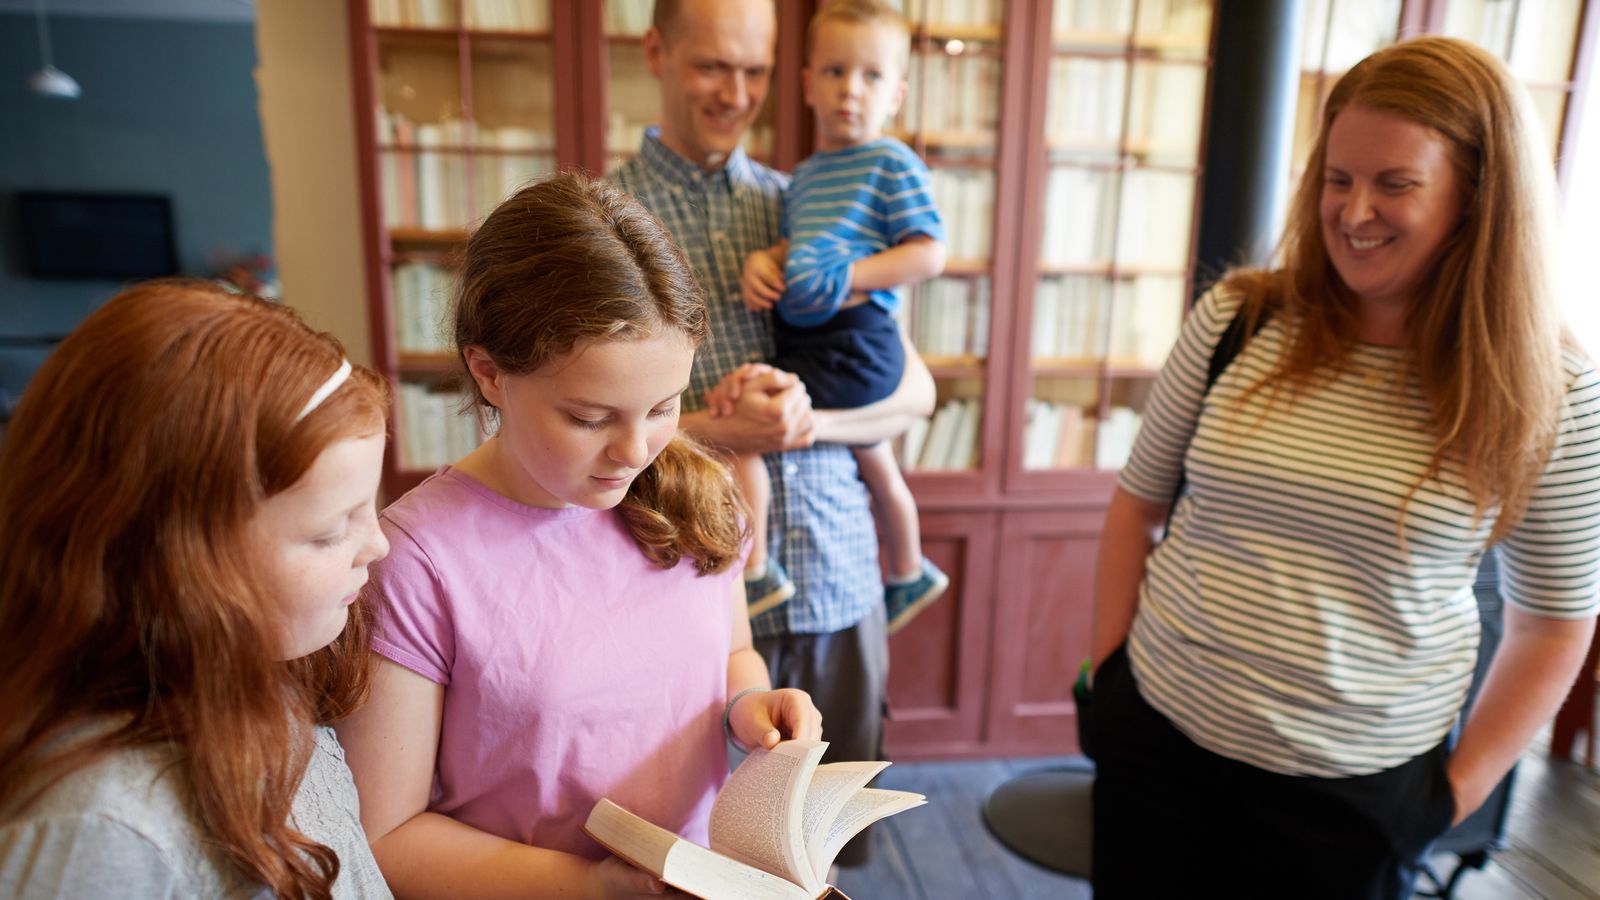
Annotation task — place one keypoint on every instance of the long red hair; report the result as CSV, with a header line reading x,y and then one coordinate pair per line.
x,y
1484,334
129,587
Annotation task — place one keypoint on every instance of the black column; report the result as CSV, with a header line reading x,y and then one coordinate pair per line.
x,y
1254,87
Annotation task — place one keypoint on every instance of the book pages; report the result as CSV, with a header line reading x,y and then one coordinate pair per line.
x,y
683,864
831,787
867,806
743,824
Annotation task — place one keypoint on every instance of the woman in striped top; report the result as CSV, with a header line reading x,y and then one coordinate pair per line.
x,y
1281,673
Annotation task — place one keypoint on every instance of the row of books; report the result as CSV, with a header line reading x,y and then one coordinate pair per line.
x,y
628,16
1133,322
947,442
1086,102
1070,19
966,204
1140,217
1064,436
398,130
433,430
949,317
951,12
1085,112
1335,43
485,15
422,293
1091,16
430,189
1164,111
440,192
952,94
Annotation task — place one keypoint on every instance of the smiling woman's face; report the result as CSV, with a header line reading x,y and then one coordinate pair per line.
x,y
1391,197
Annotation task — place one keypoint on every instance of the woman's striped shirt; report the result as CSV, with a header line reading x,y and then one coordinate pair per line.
x,y
1281,622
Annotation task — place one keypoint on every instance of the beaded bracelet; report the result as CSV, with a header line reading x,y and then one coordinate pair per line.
x,y
728,711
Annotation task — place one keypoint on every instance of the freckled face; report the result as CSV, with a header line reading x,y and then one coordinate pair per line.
x,y
319,536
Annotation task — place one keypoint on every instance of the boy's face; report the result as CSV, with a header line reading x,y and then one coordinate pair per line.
x,y
855,81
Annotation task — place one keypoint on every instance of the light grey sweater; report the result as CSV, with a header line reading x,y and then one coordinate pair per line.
x,y
122,828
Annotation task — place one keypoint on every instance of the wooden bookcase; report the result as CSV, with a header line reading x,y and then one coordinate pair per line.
x,y
1065,138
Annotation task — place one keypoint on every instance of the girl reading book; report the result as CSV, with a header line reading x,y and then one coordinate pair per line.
x,y
188,494
563,617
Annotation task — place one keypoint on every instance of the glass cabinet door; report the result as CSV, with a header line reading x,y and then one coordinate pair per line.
x,y
1335,35
464,95
1126,95
951,116
1538,41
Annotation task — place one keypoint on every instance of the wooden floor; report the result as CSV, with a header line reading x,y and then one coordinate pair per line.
x,y
943,851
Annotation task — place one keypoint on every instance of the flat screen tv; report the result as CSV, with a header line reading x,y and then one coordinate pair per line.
x,y
112,236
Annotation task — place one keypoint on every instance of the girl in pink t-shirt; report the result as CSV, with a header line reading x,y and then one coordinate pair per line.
x,y
561,615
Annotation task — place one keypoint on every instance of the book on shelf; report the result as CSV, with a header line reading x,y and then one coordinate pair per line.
x,y
948,317
508,15
414,13
912,442
422,294
965,198
433,431
1092,16
941,433
951,443
1080,216
1164,117
952,12
628,17
1115,441
776,827
952,95
964,446
1084,115
425,172
1056,436
1070,452
1146,314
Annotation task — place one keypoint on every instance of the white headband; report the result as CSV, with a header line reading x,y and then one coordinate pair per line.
x,y
328,387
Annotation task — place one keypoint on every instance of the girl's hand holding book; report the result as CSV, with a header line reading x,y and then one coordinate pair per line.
x,y
764,718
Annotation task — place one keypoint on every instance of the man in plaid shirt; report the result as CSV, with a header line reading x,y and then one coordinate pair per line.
x,y
713,60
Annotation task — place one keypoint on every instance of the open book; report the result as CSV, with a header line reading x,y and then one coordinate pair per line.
x,y
776,827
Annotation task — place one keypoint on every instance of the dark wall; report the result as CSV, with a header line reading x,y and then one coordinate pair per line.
x,y
168,107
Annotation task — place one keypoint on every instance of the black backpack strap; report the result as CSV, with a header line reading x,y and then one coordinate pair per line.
x,y
1233,340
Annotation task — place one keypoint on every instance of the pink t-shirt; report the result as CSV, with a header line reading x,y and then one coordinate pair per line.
x,y
574,667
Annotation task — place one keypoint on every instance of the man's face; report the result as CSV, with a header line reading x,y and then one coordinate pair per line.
x,y
715,65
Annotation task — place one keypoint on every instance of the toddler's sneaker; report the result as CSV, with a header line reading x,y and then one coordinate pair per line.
x,y
771,590
904,601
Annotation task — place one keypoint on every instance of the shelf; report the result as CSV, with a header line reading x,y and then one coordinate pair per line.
x,y
1108,270
949,31
1092,367
425,236
434,32
1153,47
430,363
431,33
963,140
465,149
955,367
965,268
1122,164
